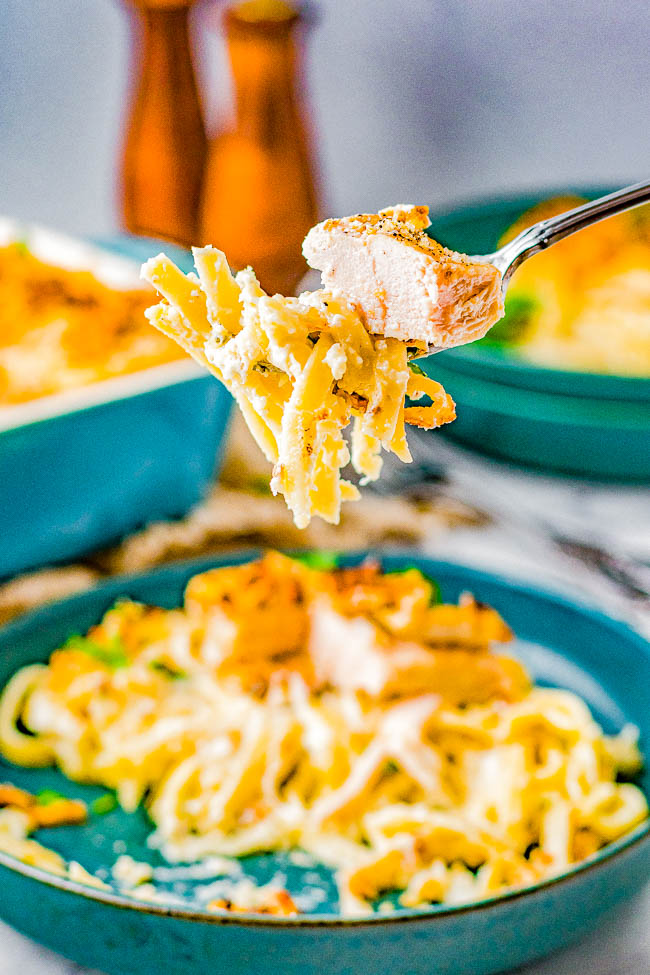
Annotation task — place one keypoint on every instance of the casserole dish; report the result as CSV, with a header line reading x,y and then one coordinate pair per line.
x,y
83,467
562,421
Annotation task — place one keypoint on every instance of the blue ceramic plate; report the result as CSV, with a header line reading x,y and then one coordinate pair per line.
x,y
561,643
498,363
529,414
81,469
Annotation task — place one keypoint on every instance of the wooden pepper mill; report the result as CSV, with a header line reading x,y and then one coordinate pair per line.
x,y
165,145
258,195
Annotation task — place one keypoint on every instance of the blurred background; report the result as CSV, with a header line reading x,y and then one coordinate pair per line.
x,y
241,124
414,100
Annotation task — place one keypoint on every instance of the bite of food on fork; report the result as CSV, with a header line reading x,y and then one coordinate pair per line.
x,y
302,369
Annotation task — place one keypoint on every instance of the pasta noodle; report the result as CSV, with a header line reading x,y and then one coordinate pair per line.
x,y
301,369
346,713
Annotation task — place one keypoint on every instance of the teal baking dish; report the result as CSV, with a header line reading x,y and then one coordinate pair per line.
x,y
81,469
560,421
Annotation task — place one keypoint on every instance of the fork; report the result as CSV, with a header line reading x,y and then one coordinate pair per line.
x,y
541,235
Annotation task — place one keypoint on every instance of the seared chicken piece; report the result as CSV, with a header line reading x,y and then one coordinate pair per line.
x,y
407,285
356,655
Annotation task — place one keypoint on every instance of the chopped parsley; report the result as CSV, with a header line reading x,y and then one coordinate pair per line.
x,y
104,804
47,796
413,366
20,247
520,308
436,594
162,668
321,561
111,654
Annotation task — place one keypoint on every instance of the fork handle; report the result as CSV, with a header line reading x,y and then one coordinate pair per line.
x,y
541,235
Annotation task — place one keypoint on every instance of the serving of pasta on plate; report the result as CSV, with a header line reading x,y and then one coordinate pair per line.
x,y
344,713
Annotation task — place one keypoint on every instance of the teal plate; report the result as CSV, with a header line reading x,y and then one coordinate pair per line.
x,y
562,644
586,424
498,364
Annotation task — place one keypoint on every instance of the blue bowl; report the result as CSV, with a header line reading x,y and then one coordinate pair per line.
x,y
606,439
81,469
561,643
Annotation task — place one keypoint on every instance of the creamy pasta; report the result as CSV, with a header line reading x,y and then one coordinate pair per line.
x,y
346,713
62,329
301,369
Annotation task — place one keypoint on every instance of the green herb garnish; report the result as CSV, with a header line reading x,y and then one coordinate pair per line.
x,y
111,654
321,561
104,804
414,367
166,671
47,796
436,595
520,308
20,247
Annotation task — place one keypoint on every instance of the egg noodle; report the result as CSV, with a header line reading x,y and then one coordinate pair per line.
x,y
346,713
300,370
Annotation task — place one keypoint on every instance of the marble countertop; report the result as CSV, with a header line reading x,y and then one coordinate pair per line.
x,y
585,540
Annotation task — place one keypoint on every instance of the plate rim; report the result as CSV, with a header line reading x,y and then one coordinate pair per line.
x,y
475,356
637,837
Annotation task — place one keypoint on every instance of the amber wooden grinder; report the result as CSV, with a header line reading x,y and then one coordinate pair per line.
x,y
165,145
258,194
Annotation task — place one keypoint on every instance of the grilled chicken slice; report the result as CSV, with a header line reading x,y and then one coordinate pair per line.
x,y
407,285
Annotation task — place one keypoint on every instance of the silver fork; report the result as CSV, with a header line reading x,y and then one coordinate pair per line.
x,y
541,235
547,232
